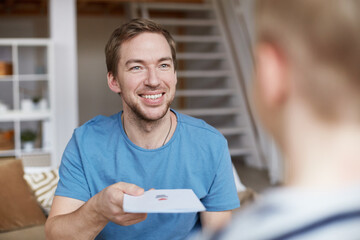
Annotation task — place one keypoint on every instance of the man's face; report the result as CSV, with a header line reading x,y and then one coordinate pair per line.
x,y
146,76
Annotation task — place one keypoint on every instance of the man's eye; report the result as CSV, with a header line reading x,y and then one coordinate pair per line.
x,y
164,65
135,68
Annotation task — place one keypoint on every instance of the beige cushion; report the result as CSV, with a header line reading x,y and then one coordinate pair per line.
x,y
18,207
43,185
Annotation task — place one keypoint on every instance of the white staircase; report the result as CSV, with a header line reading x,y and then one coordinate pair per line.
x,y
209,85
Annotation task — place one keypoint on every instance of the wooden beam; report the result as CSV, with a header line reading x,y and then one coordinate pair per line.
x,y
84,7
163,1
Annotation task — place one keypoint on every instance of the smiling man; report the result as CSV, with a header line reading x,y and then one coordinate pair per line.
x,y
145,146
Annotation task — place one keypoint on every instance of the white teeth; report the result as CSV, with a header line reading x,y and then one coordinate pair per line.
x,y
152,96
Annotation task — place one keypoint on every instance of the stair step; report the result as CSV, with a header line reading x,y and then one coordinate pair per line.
x,y
193,39
210,111
178,6
204,17
240,151
205,92
202,56
185,22
233,130
204,74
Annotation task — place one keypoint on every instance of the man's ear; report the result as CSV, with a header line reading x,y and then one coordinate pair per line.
x,y
113,83
271,74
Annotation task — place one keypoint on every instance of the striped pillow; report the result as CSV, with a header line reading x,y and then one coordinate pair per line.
x,y
43,185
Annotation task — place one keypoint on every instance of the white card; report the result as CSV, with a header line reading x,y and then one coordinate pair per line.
x,y
163,201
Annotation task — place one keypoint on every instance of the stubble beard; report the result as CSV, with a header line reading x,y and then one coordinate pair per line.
x,y
136,110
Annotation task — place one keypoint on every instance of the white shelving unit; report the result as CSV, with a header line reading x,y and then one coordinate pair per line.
x,y
31,78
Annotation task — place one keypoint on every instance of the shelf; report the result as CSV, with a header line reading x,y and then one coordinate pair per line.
x,y
35,151
25,77
7,153
15,115
33,77
25,41
6,78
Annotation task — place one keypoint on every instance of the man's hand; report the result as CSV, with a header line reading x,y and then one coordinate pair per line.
x,y
74,219
109,204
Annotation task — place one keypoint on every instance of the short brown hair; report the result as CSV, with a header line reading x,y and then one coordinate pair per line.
x,y
322,39
128,31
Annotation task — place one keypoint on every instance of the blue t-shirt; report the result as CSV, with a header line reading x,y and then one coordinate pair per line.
x,y
100,154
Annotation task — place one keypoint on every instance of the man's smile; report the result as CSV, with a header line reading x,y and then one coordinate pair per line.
x,y
151,96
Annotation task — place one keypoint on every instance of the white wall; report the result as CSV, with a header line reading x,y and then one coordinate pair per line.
x,y
95,96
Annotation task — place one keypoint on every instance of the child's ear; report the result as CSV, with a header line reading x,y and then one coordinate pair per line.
x,y
271,74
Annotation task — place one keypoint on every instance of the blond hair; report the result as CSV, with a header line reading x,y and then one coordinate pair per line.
x,y
322,39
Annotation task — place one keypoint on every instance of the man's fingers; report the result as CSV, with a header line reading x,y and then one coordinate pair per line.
x,y
131,218
130,189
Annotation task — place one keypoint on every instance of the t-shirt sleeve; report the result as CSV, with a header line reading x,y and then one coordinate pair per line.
x,y
222,195
72,182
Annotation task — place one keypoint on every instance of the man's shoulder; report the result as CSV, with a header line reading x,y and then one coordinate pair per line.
x,y
197,125
100,122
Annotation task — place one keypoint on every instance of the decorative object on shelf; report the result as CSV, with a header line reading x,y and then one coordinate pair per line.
x,y
5,68
27,105
36,101
3,107
6,140
28,138
43,104
39,103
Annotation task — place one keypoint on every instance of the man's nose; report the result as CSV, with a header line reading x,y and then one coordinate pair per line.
x,y
152,78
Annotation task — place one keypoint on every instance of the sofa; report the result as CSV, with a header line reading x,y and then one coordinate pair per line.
x,y
25,200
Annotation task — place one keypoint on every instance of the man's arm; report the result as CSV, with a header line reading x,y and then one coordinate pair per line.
x,y
74,219
215,221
